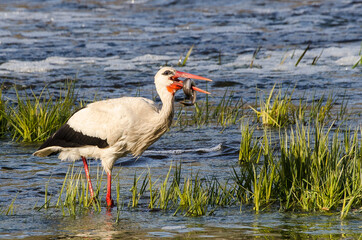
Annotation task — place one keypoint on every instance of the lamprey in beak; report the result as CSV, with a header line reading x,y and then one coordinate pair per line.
x,y
189,92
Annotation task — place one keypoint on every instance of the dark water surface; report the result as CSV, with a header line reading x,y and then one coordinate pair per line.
x,y
115,47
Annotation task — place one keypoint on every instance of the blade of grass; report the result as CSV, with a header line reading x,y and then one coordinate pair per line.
x,y
301,56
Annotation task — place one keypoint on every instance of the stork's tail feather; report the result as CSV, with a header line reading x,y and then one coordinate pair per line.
x,y
44,152
71,154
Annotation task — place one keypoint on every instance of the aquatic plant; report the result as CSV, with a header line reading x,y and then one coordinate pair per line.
x,y
359,62
3,114
316,170
279,110
166,194
10,210
256,51
249,150
35,117
301,56
304,168
136,194
316,58
182,63
192,197
226,112
257,176
276,110
321,111
73,196
119,201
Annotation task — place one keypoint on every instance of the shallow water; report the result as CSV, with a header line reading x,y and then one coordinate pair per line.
x,y
113,48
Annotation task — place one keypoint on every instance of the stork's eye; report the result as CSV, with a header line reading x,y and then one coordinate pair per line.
x,y
167,72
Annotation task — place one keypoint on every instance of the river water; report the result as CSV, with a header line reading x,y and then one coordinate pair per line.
x,y
113,48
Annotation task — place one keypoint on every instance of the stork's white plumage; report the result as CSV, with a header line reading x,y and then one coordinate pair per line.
x,y
110,129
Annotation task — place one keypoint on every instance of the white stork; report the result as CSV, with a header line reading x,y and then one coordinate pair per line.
x,y
110,129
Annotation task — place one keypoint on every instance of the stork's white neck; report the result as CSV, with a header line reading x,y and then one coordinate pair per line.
x,y
157,125
167,111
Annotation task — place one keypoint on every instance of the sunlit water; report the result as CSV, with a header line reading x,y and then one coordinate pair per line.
x,y
114,48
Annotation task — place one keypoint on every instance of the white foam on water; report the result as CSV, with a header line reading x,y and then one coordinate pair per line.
x,y
176,227
180,151
26,67
53,63
149,58
269,62
277,61
48,64
70,17
181,228
231,29
4,33
348,61
344,51
120,64
23,15
135,63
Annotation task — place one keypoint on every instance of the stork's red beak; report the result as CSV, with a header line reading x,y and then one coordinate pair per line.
x,y
189,75
178,84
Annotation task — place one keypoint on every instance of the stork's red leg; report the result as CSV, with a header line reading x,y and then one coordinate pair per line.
x,y
109,195
88,178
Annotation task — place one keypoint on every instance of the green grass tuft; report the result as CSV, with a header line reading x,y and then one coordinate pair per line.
x,y
73,197
228,111
182,63
10,210
276,110
249,148
312,168
3,115
35,117
279,110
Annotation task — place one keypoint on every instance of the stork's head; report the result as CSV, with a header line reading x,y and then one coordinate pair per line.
x,y
168,77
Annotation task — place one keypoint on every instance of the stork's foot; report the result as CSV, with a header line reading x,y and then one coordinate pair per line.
x,y
110,203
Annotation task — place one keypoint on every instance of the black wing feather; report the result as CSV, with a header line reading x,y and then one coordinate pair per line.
x,y
68,137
